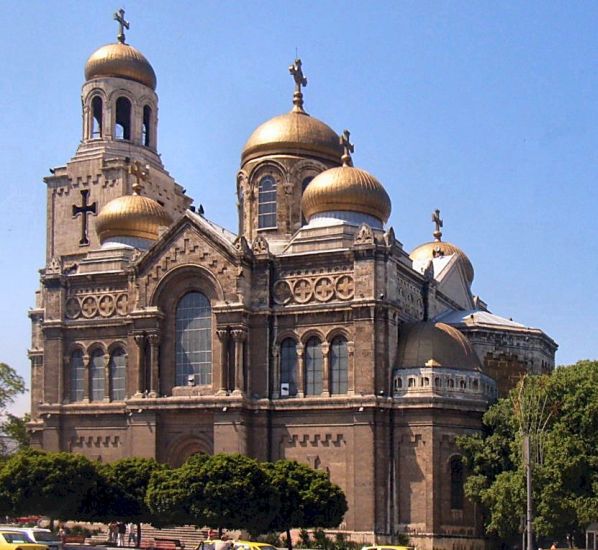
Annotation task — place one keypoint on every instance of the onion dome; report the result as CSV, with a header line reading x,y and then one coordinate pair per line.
x,y
132,216
120,60
346,188
294,133
439,248
429,344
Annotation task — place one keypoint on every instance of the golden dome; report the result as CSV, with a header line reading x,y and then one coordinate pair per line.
x,y
131,216
435,249
429,344
293,133
122,61
346,188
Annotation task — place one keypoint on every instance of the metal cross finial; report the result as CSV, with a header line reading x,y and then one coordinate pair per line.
x,y
348,148
438,221
300,80
141,173
122,25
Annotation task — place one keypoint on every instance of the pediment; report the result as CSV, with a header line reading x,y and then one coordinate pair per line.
x,y
452,282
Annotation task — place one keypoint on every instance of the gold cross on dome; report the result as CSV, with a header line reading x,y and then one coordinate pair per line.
x,y
348,148
300,80
122,25
438,221
141,173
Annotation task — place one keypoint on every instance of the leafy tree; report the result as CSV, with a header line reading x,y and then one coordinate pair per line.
x,y
11,385
15,427
565,480
307,498
57,485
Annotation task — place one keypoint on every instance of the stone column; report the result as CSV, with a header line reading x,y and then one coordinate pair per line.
x,y
154,389
223,383
325,369
107,377
139,383
350,368
239,336
276,372
86,360
67,377
300,368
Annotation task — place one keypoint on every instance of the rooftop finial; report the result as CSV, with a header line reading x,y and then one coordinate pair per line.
x,y
348,148
300,80
122,25
141,173
438,221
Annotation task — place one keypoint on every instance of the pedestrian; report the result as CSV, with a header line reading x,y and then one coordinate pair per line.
x,y
132,534
121,529
112,533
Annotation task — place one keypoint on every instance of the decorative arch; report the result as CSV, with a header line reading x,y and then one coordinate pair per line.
x,y
94,346
338,331
187,445
116,344
312,333
185,278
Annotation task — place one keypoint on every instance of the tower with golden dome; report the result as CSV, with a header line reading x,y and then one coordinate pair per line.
x,y
309,334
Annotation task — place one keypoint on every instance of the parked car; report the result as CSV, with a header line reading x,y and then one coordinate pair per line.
x,y
39,535
388,547
17,540
250,545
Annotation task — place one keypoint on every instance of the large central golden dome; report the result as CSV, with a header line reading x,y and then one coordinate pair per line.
x,y
346,188
293,133
132,216
121,61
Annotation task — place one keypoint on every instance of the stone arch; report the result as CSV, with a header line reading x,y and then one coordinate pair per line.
x,y
186,278
287,333
185,446
91,348
312,333
338,331
113,346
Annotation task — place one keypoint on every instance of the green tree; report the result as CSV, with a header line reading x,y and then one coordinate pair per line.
x,y
565,478
307,498
58,485
11,385
15,427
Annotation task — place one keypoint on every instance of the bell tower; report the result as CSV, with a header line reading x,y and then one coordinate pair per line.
x,y
120,128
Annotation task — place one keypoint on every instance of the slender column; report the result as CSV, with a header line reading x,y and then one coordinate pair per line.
x,y
153,340
140,341
107,378
60,389
276,373
86,359
325,369
67,377
350,368
239,336
300,373
223,337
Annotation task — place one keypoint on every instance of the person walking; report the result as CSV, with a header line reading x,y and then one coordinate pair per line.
x,y
121,529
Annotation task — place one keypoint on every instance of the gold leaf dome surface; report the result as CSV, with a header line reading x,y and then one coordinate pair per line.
x,y
434,249
292,133
435,345
132,216
122,61
346,188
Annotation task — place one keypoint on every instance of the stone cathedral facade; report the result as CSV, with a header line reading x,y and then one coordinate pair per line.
x,y
309,335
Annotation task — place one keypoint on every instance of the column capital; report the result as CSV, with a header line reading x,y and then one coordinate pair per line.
x,y
239,334
222,334
139,339
153,339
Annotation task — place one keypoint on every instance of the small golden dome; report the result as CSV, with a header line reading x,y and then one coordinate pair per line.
x,y
436,249
122,61
429,344
132,216
293,133
346,188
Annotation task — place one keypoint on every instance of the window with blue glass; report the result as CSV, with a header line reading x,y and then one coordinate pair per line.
x,y
97,375
117,374
313,367
77,375
288,366
339,366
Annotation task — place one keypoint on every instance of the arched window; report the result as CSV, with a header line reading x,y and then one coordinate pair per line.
x,y
145,128
313,367
77,375
122,129
193,335
288,367
266,212
456,483
96,117
398,383
117,375
304,184
339,366
411,382
97,375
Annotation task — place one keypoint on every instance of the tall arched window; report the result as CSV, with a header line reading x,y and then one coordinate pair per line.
x,y
313,367
117,375
96,117
145,128
339,366
266,211
122,129
193,334
288,366
456,483
77,375
97,375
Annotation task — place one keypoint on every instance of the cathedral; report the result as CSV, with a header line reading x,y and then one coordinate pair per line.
x,y
311,334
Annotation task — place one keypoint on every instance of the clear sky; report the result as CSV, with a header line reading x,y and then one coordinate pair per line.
x,y
486,110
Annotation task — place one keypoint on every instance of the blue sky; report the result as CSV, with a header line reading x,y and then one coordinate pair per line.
x,y
486,110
